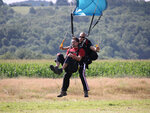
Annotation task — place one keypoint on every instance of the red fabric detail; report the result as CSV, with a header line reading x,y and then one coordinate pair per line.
x,y
86,42
73,51
82,52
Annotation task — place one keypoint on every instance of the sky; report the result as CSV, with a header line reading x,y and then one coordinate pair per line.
x,y
13,1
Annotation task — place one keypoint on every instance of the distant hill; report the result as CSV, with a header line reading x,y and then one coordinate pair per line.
x,y
123,31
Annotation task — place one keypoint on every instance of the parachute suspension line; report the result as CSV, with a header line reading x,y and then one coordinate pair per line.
x,y
97,21
72,30
91,25
92,20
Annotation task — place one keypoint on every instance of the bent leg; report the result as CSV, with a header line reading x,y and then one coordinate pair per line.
x,y
60,59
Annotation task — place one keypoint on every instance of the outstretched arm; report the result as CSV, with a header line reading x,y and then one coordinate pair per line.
x,y
96,49
64,48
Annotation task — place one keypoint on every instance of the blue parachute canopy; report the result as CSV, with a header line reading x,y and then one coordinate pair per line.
x,y
90,7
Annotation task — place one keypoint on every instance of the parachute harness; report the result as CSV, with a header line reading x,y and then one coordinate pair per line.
x,y
88,8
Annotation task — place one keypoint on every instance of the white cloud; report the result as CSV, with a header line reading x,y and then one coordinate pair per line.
x,y
13,1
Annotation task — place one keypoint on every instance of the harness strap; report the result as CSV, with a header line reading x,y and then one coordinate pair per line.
x,y
83,43
77,52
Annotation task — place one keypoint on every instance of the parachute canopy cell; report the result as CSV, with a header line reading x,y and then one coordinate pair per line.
x,y
90,7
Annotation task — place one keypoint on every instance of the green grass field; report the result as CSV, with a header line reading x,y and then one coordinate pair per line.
x,y
29,86
106,95
76,106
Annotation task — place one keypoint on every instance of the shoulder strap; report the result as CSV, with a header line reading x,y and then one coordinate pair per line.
x,y
85,41
78,50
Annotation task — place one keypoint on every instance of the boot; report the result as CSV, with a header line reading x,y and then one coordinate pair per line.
x,y
58,71
53,68
86,94
63,93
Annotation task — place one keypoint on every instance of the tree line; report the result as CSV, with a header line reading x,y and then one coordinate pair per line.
x,y
123,31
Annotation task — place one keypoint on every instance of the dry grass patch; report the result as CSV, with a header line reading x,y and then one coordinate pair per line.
x,y
100,88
